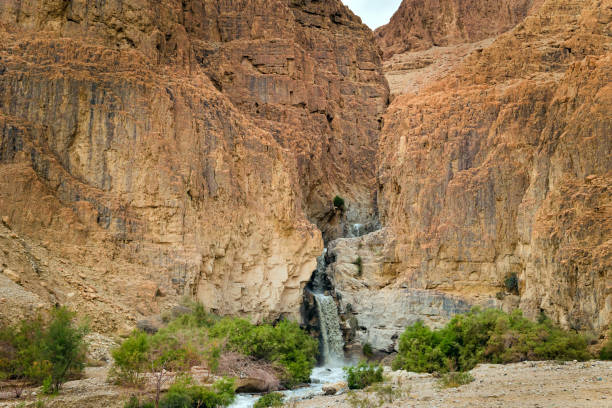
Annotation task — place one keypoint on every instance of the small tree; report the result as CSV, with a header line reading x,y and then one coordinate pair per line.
x,y
131,359
63,347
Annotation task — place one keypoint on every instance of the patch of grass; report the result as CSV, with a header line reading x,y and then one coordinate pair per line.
x,y
363,375
134,402
273,399
455,379
183,394
377,395
486,336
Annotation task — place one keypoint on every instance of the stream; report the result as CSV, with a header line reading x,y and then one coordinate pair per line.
x,y
332,346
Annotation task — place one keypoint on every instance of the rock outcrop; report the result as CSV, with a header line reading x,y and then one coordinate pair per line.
x,y
420,24
504,167
153,150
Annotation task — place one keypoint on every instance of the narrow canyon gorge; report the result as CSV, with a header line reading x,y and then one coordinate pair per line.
x,y
278,159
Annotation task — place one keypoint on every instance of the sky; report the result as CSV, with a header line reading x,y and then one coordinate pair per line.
x,y
374,13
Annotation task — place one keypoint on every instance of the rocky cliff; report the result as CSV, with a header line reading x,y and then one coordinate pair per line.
x,y
420,24
503,168
152,150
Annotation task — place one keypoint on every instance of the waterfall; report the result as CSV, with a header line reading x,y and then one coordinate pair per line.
x,y
329,321
333,344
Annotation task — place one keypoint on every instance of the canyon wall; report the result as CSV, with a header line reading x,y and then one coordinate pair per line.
x,y
503,168
152,150
420,24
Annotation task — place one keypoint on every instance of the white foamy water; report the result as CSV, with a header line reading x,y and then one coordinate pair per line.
x,y
319,377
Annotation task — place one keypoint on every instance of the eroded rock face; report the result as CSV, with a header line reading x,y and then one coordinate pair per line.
x,y
504,167
310,73
421,24
375,306
151,150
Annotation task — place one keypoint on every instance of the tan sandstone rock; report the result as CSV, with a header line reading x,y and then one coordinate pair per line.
x,y
503,167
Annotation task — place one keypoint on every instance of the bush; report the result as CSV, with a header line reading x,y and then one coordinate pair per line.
x,y
454,379
183,394
338,202
512,284
606,351
199,338
131,359
273,399
63,347
363,375
134,402
285,344
486,336
40,353
367,350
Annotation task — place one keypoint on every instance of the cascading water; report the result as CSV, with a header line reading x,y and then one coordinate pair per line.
x,y
333,344
329,320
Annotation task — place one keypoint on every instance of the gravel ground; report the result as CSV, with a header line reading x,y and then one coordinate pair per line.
x,y
528,384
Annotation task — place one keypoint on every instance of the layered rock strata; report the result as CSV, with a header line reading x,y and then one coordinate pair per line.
x,y
421,24
504,167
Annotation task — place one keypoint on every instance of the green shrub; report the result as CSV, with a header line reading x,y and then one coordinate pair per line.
x,y
131,359
199,338
134,402
486,336
363,375
367,350
455,379
338,202
606,351
63,347
359,263
512,284
183,394
273,399
40,353
285,344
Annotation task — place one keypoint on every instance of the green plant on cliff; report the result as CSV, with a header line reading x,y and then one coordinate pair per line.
x,y
359,263
486,336
339,202
512,284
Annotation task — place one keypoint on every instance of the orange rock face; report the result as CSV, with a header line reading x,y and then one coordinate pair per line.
x,y
421,24
504,167
153,150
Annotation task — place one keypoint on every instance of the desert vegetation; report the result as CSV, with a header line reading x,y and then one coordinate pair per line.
x,y
41,351
281,354
486,336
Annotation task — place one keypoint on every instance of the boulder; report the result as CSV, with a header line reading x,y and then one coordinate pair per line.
x,y
251,384
334,388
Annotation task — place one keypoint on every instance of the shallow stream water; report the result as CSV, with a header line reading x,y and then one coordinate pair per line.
x,y
319,377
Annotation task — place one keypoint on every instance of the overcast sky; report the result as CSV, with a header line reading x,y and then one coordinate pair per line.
x,y
374,13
